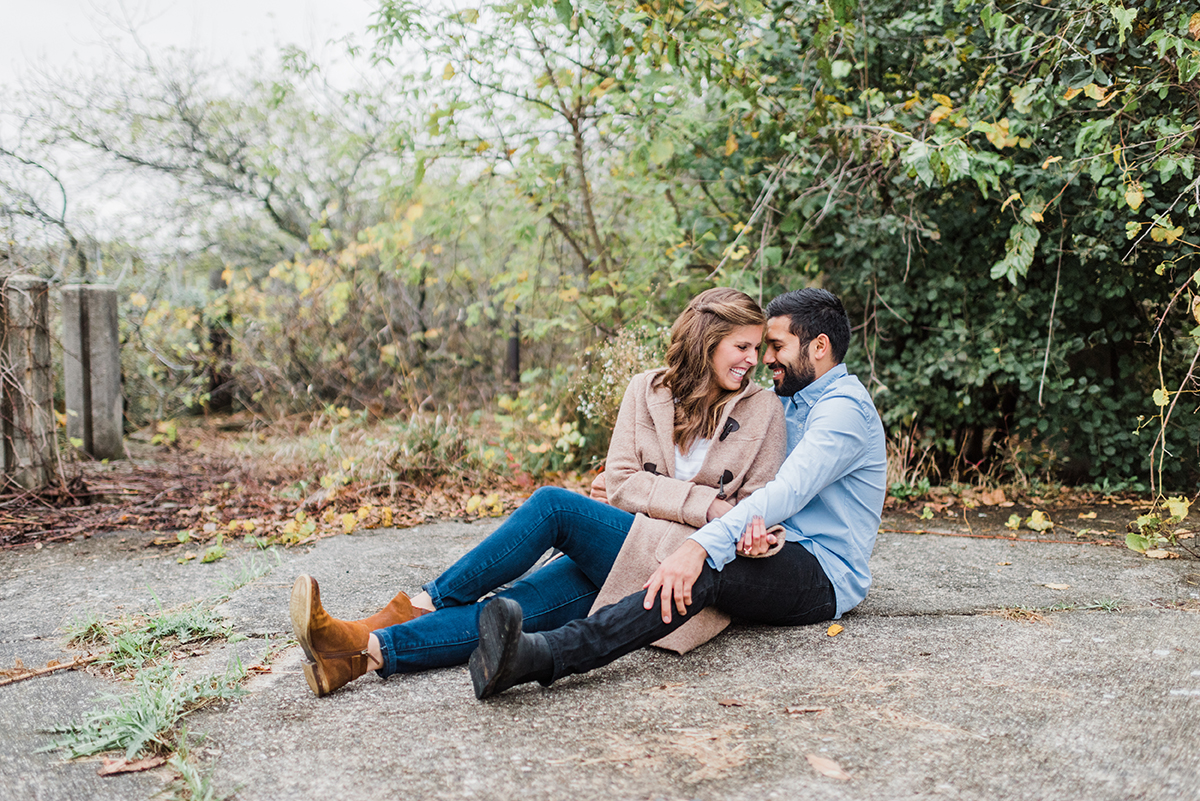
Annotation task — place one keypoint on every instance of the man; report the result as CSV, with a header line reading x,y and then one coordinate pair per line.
x,y
828,495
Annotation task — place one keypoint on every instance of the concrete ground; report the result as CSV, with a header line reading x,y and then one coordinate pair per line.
x,y
931,691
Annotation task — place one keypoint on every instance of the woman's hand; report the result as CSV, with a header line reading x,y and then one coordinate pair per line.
x,y
599,492
717,508
755,540
674,579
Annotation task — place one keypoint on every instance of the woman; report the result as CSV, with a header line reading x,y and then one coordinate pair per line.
x,y
679,457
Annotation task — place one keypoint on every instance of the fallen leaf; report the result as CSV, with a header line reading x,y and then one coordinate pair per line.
x,y
1159,553
827,767
1087,515
259,669
1058,586
114,766
730,702
1038,521
992,497
1014,522
834,630
805,710
1002,564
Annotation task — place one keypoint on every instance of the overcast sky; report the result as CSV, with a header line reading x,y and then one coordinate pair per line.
x,y
65,32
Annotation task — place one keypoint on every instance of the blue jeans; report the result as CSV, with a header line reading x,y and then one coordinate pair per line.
x,y
588,532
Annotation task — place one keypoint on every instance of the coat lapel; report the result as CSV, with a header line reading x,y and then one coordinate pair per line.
x,y
662,413
715,451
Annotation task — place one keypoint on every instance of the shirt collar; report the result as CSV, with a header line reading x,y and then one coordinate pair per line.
x,y
817,388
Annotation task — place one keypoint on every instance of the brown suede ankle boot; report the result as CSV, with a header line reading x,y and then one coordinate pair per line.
x,y
335,650
399,610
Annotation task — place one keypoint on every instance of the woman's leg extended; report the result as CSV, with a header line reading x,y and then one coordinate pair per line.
x,y
589,532
551,597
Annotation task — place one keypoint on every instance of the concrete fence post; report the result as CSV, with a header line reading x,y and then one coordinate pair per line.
x,y
92,370
26,382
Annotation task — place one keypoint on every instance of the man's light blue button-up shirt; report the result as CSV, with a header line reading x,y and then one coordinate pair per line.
x,y
829,492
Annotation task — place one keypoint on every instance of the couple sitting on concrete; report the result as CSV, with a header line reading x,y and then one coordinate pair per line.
x,y
675,539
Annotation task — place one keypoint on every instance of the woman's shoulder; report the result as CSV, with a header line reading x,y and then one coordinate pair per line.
x,y
757,395
643,382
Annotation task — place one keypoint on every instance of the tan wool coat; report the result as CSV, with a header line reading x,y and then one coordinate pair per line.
x,y
638,478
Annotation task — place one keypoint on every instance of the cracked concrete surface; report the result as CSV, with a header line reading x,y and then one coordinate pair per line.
x,y
931,691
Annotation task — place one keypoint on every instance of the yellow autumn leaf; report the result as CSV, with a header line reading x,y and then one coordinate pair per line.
x,y
448,72
1087,515
1134,196
1161,397
492,502
1038,521
329,516
364,512
1194,25
1051,160
1196,308
473,504
1011,198
138,299
945,101
385,517
1013,522
1178,506
1058,586
248,526
1093,91
1036,216
601,88
1161,233
349,521
731,144
227,276
569,295
834,630
1071,93
940,113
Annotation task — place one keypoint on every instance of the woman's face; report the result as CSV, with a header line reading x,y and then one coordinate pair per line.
x,y
736,355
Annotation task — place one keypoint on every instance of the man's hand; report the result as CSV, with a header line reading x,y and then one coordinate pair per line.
x,y
755,539
599,492
675,577
717,508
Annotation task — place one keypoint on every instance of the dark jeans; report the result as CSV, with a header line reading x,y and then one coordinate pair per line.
x,y
787,589
588,533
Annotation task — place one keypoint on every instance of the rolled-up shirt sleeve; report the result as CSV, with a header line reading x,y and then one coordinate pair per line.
x,y
836,435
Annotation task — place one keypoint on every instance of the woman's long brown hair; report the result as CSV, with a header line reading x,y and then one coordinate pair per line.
x,y
699,399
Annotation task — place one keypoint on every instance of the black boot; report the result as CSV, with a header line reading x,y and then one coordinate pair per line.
x,y
506,656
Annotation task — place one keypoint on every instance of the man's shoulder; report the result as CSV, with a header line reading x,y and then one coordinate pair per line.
x,y
847,386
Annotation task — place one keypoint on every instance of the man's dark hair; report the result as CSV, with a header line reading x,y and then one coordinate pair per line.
x,y
813,312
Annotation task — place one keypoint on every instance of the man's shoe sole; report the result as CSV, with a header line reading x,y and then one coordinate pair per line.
x,y
499,633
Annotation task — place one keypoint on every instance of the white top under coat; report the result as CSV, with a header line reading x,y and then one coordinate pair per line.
x,y
689,464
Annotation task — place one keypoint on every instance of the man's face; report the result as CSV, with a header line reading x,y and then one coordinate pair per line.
x,y
787,356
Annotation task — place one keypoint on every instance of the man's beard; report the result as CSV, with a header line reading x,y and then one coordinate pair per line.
x,y
795,377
